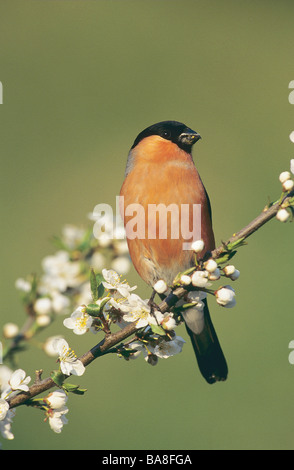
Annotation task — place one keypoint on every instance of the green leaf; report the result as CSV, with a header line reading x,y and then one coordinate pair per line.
x,y
58,377
94,285
189,305
93,310
225,257
235,244
158,330
74,389
101,290
99,278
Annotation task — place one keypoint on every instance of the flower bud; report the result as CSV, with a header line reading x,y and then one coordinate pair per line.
x,y
229,270
43,320
10,330
186,280
56,400
288,185
235,275
210,265
198,246
43,306
160,286
215,275
284,176
168,323
23,285
225,296
48,346
282,215
199,279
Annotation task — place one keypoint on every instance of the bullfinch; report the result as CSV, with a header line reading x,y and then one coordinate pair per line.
x,y
160,173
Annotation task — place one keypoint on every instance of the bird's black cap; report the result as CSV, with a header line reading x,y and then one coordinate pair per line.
x,y
175,131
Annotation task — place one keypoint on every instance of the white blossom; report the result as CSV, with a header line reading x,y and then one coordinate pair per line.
x,y
210,265
231,272
215,275
5,374
291,355
292,166
43,306
138,310
56,399
225,296
79,321
4,407
23,285
97,261
166,349
282,215
48,346
72,235
60,302
288,185
10,330
199,279
5,425
185,280
113,282
59,273
198,246
168,322
43,320
19,381
160,286
69,363
235,275
284,176
57,419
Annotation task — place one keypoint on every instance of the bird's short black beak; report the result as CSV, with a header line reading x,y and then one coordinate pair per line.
x,y
189,137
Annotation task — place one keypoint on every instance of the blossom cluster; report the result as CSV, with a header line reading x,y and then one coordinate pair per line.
x,y
120,305
287,182
64,286
64,282
14,382
61,287
11,383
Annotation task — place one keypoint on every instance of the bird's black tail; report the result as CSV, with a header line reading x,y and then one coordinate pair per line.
x,y
210,358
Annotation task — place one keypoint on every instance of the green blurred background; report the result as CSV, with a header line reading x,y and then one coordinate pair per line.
x,y
81,79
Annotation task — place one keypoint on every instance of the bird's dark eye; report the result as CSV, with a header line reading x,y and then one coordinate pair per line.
x,y
166,134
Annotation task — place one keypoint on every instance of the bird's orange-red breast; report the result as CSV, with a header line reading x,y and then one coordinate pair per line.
x,y
160,173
